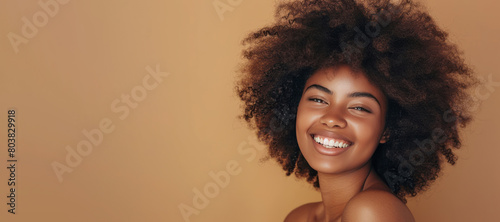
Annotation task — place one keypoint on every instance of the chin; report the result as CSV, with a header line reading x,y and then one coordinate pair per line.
x,y
329,167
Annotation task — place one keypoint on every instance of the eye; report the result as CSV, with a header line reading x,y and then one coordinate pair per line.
x,y
359,108
317,100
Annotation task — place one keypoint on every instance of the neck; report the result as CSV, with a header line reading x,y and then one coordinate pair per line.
x,y
338,189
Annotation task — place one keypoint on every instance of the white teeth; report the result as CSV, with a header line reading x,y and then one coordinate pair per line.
x,y
330,143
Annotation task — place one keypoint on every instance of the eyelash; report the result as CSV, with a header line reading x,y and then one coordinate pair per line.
x,y
359,108
317,100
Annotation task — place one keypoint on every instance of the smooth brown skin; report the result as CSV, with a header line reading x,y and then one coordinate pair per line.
x,y
351,190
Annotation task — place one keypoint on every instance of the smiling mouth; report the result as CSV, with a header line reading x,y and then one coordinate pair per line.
x,y
331,142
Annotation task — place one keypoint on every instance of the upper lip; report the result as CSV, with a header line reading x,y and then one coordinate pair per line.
x,y
331,135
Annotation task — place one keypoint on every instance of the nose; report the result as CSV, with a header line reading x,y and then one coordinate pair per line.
x,y
333,118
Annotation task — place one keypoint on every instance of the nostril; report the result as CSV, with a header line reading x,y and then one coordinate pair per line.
x,y
331,121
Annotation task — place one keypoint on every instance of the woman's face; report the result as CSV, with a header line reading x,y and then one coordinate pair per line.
x,y
340,120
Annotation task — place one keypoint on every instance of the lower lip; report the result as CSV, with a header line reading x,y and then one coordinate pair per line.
x,y
329,151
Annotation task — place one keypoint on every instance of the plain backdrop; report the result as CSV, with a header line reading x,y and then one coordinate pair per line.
x,y
79,67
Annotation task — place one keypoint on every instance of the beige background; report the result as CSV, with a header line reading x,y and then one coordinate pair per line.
x,y
65,78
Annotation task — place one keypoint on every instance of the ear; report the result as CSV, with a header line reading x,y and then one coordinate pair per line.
x,y
385,136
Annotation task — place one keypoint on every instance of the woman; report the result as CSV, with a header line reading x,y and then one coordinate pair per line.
x,y
363,99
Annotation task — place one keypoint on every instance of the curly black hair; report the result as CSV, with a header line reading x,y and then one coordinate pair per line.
x,y
400,49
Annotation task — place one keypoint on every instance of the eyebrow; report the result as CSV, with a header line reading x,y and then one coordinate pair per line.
x,y
352,95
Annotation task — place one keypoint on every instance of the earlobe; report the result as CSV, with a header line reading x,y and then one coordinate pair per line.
x,y
385,136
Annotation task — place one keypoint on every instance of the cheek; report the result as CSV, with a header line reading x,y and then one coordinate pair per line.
x,y
368,131
303,122
305,118
300,121
300,116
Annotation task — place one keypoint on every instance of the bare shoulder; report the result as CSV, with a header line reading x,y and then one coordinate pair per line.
x,y
302,213
376,205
